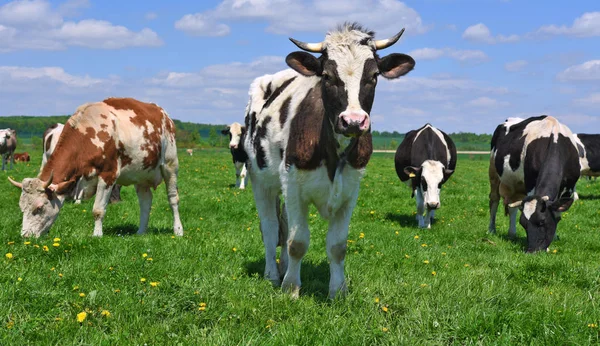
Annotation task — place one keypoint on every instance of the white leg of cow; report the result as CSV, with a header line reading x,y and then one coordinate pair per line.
x,y
266,205
169,174
238,170
512,228
493,212
298,242
243,177
429,214
420,208
103,192
337,240
145,199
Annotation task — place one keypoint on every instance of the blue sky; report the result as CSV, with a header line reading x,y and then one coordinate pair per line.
x,y
478,61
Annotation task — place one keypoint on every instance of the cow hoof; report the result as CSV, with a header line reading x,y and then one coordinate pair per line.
x,y
341,292
292,290
96,234
140,232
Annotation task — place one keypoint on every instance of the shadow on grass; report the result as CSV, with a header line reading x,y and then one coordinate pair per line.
x,y
131,229
315,278
522,241
589,197
404,220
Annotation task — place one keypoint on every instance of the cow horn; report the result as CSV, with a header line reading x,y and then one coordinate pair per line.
x,y
47,183
545,198
515,204
17,184
381,44
309,47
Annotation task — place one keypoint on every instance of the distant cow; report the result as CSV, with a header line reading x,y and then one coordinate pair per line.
x,y
425,160
118,140
309,136
22,157
534,165
50,139
237,135
8,144
589,154
190,152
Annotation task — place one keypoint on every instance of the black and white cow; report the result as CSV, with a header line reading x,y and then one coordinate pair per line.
x,y
589,153
425,160
309,136
237,134
534,165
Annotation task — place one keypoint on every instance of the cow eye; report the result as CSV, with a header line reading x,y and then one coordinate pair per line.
x,y
38,210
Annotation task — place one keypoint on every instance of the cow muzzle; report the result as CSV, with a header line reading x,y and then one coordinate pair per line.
x,y
354,123
233,146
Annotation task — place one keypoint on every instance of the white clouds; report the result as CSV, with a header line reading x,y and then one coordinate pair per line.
x,y
587,25
481,34
201,25
17,74
515,66
150,16
287,16
588,71
591,100
457,54
34,24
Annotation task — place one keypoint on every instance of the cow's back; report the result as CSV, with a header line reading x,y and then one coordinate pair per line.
x,y
591,153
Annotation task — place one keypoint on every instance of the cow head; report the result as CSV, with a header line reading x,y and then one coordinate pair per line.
x,y
4,137
428,180
348,68
235,132
40,203
539,217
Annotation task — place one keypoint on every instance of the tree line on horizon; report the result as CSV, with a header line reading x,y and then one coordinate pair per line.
x,y
30,129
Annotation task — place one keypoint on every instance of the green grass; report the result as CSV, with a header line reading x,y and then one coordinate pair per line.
x,y
485,289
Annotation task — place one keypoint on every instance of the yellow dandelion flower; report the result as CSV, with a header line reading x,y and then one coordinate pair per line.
x,y
361,235
56,240
154,283
27,243
36,246
234,249
144,255
196,292
117,290
11,243
376,299
384,329
75,288
9,255
19,279
467,265
423,245
56,244
81,316
60,275
58,319
52,269
202,304
443,254
110,268
202,308
45,248
554,251
83,210
397,232
416,237
10,324
105,313
406,256
423,285
372,212
384,308
426,261
143,280
82,294
172,237
434,273
149,259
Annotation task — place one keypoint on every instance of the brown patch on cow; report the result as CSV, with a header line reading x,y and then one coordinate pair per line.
x,y
103,136
278,92
125,159
48,141
104,126
297,249
360,153
103,116
338,252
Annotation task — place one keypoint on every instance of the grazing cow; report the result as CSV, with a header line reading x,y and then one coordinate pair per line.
x,y
8,144
118,140
589,154
425,160
50,139
309,136
22,157
190,152
237,134
534,165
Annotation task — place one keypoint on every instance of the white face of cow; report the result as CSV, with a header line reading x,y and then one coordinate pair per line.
x,y
432,176
40,207
4,137
235,132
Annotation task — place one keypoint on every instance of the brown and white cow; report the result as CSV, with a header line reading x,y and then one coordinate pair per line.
x,y
50,139
309,136
190,152
237,135
118,140
8,144
22,157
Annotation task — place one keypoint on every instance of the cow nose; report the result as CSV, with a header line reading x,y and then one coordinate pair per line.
x,y
354,123
433,205
233,146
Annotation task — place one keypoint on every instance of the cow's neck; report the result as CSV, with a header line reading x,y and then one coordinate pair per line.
x,y
65,162
550,177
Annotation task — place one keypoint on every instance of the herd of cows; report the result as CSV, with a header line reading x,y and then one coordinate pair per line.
x,y
306,137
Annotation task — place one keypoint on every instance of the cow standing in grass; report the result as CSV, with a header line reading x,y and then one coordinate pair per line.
x,y
237,135
118,140
534,166
425,160
8,144
309,136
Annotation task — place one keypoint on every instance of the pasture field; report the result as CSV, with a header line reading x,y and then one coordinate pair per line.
x,y
452,284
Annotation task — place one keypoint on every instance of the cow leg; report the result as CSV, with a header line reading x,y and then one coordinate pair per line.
x,y
430,217
494,196
512,228
79,191
238,170
169,173
145,199
337,239
266,205
244,177
298,242
99,210
283,237
420,208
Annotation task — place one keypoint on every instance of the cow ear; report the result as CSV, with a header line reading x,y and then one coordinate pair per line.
x,y
412,171
563,204
243,129
304,63
225,131
395,65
